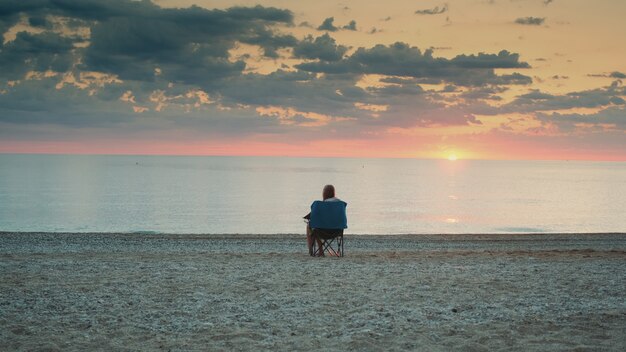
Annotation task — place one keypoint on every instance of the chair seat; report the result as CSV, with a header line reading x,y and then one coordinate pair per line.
x,y
327,234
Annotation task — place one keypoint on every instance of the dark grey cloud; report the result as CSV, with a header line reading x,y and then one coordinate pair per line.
x,y
532,21
434,11
350,26
10,8
337,95
38,102
611,116
40,22
297,89
35,52
323,47
397,90
183,43
270,42
449,88
484,93
133,39
399,80
614,74
89,117
328,25
400,59
540,101
504,59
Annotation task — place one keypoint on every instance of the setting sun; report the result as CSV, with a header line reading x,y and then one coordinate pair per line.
x,y
452,157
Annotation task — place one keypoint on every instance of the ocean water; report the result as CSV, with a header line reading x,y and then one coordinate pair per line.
x,y
178,194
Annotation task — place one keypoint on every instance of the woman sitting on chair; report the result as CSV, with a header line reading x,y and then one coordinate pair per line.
x,y
328,195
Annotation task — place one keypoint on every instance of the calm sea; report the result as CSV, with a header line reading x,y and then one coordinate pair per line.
x,y
177,194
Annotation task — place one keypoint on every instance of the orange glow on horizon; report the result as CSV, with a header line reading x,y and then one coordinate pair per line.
x,y
382,148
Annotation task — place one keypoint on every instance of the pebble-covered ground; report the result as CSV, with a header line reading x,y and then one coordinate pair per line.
x,y
250,292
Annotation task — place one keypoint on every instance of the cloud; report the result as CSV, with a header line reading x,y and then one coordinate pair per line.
x,y
77,113
188,45
323,47
400,59
40,22
350,26
532,21
611,118
134,39
407,88
503,59
484,93
299,90
291,116
35,52
37,101
434,11
328,25
614,74
537,100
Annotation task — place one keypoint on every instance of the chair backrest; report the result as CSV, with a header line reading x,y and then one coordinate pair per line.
x,y
328,215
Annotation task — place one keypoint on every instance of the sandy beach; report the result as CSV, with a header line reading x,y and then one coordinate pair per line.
x,y
249,292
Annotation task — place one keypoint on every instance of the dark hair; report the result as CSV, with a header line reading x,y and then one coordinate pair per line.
x,y
329,192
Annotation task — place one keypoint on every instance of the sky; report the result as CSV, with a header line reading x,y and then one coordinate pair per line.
x,y
475,79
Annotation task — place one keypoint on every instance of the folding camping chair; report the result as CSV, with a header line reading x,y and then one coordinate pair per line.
x,y
328,220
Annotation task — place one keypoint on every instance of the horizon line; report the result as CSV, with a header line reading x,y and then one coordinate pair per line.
x,y
307,156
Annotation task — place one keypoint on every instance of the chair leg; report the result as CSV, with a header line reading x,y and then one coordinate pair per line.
x,y
340,246
316,249
326,246
320,250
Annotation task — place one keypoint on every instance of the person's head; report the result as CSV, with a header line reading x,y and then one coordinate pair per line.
x,y
329,192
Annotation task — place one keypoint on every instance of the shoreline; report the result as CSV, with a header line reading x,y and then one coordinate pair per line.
x,y
290,235
265,242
